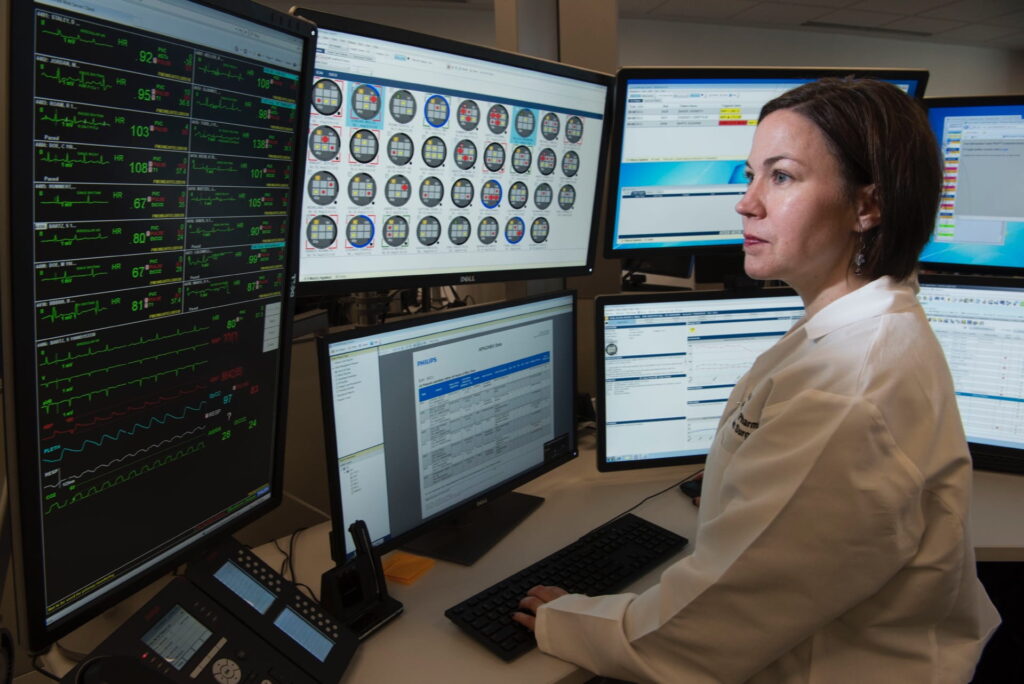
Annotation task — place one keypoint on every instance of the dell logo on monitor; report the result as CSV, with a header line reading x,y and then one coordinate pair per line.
x,y
467,279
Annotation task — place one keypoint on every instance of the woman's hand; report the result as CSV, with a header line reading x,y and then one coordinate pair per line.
x,y
535,598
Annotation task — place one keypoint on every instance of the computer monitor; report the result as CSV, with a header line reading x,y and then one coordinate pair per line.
x,y
147,276
680,139
428,419
435,162
980,324
667,362
980,226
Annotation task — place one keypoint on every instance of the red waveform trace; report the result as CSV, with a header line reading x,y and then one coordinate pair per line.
x,y
131,408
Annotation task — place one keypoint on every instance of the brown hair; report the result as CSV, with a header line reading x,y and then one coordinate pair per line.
x,y
880,136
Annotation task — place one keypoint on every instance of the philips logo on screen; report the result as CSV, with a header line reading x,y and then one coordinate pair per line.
x,y
427,362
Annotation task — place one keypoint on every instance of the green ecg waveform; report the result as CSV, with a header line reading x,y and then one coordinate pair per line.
x,y
105,391
221,166
217,72
67,160
88,194
228,104
133,362
87,121
88,80
223,137
121,478
118,347
65,277
86,36
80,309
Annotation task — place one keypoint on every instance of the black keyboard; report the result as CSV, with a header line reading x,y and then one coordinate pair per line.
x,y
600,562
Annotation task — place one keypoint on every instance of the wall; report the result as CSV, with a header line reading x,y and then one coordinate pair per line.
x,y
955,69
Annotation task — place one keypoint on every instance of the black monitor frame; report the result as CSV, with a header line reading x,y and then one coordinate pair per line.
x,y
600,304
494,495
971,101
465,277
984,456
19,345
627,74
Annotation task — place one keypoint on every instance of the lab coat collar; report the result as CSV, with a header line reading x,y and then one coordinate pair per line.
x,y
884,295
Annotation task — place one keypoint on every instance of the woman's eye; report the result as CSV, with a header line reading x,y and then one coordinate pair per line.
x,y
749,176
780,176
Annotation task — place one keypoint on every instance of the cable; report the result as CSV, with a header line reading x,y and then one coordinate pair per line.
x,y
646,499
284,560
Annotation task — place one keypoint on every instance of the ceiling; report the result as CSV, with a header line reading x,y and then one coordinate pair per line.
x,y
989,23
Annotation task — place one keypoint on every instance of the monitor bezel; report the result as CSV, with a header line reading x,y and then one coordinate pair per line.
x,y
981,453
604,301
324,340
626,74
930,103
334,22
21,426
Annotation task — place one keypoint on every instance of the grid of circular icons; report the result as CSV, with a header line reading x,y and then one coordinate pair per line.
x,y
567,197
497,119
402,106
322,187
494,156
434,151
400,149
546,161
539,229
459,230
324,143
518,194
431,191
363,146
550,125
326,97
468,115
514,230
362,189
487,230
396,231
397,190
570,163
321,231
542,196
490,194
526,121
436,111
428,230
359,231
465,154
521,159
573,129
462,192
365,101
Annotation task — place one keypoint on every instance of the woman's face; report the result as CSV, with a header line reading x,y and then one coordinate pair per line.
x,y
799,226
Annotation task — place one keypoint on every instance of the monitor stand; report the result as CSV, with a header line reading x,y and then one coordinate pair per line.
x,y
467,537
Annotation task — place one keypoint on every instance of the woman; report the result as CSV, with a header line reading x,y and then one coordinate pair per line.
x,y
833,543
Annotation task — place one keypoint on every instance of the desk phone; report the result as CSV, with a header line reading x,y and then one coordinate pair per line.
x,y
230,620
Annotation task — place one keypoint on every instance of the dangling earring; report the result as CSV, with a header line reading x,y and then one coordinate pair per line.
x,y
859,258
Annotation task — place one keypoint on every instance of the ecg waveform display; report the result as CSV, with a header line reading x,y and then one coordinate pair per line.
x,y
161,176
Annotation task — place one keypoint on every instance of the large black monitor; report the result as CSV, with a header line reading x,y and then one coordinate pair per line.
x,y
437,162
679,143
147,279
667,362
980,226
428,419
980,324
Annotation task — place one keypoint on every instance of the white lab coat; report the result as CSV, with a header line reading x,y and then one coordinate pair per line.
x,y
833,543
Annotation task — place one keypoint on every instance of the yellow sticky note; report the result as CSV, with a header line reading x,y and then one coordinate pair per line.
x,y
405,568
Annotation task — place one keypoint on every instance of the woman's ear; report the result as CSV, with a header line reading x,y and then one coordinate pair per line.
x,y
869,209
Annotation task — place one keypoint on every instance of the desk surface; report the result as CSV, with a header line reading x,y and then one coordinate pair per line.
x,y
423,643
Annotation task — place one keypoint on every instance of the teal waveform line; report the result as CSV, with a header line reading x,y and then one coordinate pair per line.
x,y
118,347
121,432
133,362
131,408
55,404
126,477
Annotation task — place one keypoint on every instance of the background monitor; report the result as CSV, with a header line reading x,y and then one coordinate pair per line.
x,y
667,363
980,226
435,162
980,323
679,142
429,418
146,282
